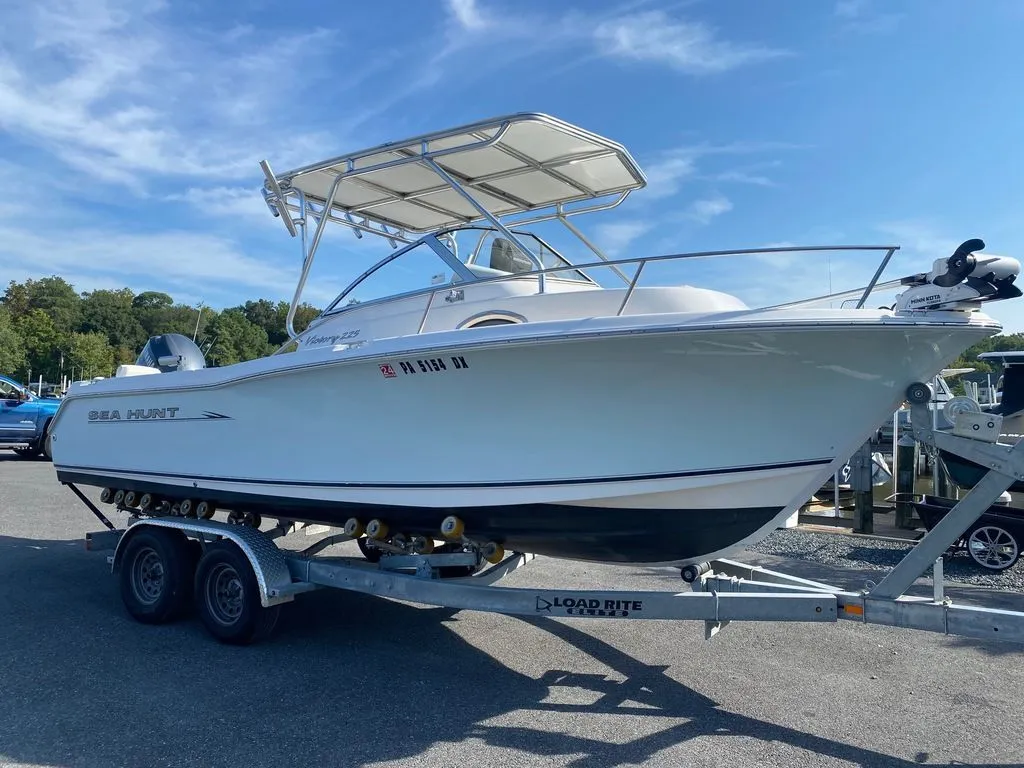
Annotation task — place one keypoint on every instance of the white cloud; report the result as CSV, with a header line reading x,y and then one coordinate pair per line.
x,y
467,14
114,91
858,17
228,202
849,9
182,258
616,237
688,46
918,238
780,259
667,170
703,211
666,174
744,177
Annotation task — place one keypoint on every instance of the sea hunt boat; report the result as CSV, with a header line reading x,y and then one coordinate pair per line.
x,y
498,395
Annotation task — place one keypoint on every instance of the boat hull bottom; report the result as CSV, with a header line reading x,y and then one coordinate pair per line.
x,y
574,532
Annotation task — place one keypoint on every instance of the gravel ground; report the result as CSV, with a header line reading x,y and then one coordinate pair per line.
x,y
867,553
353,680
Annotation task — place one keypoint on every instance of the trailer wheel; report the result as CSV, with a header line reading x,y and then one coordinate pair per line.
x,y
993,547
156,576
227,597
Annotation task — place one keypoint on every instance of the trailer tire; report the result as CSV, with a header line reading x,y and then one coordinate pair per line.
x,y
227,597
156,576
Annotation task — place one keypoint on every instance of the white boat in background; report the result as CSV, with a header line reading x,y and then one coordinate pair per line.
x,y
498,395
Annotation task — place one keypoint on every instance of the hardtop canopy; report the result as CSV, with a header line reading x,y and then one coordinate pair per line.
x,y
513,164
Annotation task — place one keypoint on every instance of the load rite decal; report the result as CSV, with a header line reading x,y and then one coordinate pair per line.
x,y
589,606
149,414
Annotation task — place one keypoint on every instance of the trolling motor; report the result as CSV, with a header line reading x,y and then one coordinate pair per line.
x,y
962,281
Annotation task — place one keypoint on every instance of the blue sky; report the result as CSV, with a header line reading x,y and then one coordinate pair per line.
x,y
130,132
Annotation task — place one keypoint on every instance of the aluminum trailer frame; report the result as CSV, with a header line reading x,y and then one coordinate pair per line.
x,y
281,575
722,591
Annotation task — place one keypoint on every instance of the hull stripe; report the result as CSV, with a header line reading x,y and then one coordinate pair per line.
x,y
104,471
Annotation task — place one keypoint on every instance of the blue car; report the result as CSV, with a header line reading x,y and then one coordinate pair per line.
x,y
25,419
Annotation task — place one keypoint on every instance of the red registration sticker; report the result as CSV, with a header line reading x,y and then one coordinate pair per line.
x,y
387,371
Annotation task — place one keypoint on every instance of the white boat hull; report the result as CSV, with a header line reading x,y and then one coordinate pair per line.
x,y
593,443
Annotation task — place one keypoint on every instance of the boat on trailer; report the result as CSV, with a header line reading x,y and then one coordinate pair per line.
x,y
498,394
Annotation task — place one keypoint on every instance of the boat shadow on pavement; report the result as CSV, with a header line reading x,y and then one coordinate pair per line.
x,y
346,680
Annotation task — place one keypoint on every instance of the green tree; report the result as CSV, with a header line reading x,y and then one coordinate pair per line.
x,y
111,313
42,342
12,348
53,295
152,300
237,339
16,299
182,318
91,353
151,310
273,318
304,315
969,359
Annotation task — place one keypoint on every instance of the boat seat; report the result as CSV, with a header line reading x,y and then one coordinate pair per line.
x,y
507,258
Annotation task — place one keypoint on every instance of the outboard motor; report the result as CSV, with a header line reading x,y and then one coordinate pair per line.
x,y
171,352
962,281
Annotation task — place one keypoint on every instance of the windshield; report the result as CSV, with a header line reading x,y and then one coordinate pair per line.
x,y
405,271
487,251
479,253
8,391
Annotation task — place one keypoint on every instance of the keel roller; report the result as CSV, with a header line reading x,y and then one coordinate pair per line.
x,y
377,530
452,528
492,552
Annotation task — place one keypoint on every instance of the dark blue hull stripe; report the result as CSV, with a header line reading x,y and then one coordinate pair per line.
x,y
104,471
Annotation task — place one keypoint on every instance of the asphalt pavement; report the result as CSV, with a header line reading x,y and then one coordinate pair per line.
x,y
353,680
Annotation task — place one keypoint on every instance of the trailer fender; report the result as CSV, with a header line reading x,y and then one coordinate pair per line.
x,y
267,561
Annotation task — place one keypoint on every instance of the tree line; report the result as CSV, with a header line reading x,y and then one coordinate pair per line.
x,y
1010,342
49,329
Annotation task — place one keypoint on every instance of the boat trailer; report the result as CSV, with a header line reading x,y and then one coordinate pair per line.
x,y
237,577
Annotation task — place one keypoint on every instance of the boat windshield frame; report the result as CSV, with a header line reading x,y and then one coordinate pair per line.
x,y
445,246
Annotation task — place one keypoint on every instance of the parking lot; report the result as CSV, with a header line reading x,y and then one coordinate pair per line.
x,y
352,680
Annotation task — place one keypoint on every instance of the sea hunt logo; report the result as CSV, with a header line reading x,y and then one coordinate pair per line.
x,y
130,415
589,606
334,338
